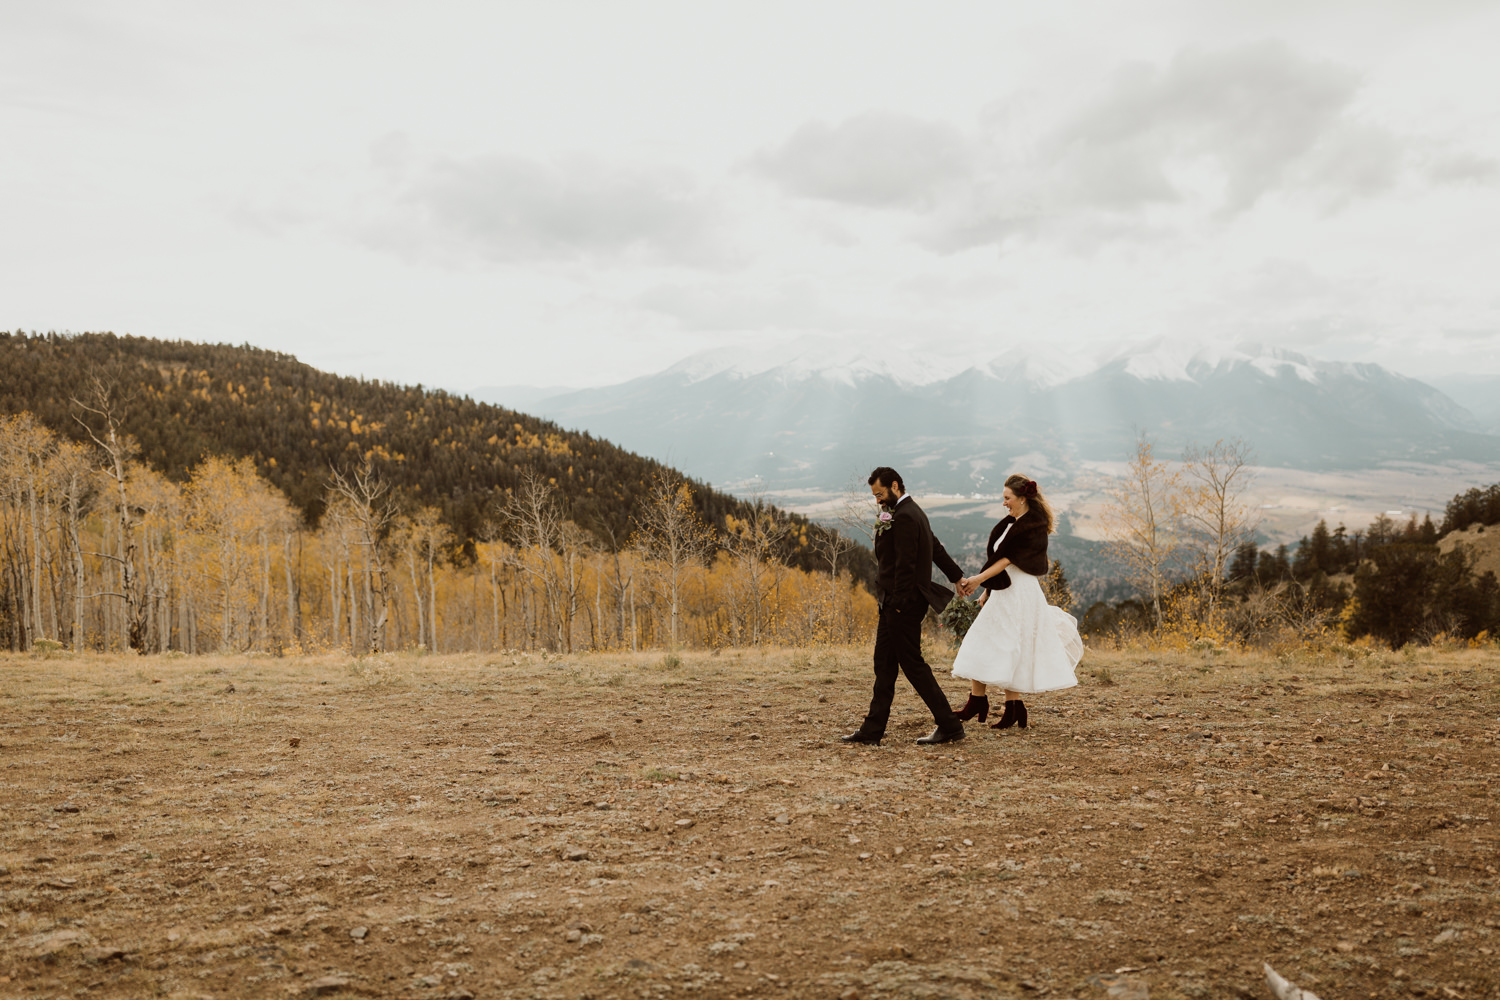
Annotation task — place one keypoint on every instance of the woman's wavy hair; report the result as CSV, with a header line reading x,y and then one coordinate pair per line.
x,y
1028,490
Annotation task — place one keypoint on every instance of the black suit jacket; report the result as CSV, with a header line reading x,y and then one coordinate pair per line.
x,y
905,554
1025,546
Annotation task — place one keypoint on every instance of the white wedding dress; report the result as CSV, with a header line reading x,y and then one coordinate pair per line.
x,y
1020,642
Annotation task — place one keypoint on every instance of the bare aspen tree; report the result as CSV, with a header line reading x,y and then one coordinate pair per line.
x,y
426,538
669,529
105,413
73,476
1142,520
619,581
1215,516
25,449
369,503
857,512
751,541
532,518
292,566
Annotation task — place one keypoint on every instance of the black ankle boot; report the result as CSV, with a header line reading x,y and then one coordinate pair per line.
x,y
978,704
1020,713
1015,713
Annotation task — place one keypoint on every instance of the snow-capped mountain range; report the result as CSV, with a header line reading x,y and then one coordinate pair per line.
x,y
817,412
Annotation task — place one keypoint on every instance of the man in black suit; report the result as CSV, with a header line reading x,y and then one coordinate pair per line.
x,y
905,551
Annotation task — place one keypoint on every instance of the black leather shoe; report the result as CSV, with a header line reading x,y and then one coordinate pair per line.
x,y
942,736
863,738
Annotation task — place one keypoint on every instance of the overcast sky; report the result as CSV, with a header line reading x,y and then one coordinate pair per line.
x,y
576,193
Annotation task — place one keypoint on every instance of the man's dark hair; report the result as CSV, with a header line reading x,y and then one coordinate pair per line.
x,y
886,475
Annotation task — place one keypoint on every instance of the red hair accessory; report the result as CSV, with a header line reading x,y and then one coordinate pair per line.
x,y
1029,490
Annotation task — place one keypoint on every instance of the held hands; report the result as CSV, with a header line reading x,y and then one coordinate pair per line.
x,y
966,586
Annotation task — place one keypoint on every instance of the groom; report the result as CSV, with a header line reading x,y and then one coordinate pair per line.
x,y
905,551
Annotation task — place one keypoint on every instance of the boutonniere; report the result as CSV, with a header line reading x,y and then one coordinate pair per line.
x,y
883,522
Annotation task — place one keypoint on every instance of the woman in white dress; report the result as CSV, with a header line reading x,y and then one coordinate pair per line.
x,y
1018,642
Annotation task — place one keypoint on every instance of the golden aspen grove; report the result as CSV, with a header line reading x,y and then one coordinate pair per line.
x,y
178,497
223,563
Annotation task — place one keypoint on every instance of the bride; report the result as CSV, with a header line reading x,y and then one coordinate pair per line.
x,y
1019,642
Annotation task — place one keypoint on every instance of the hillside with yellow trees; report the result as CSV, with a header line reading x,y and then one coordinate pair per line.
x,y
175,496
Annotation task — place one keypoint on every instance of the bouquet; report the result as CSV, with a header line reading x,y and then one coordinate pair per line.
x,y
959,615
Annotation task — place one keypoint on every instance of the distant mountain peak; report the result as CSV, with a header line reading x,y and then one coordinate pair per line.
x,y
1167,359
840,362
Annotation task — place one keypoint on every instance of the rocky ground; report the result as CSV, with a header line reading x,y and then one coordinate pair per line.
x,y
613,826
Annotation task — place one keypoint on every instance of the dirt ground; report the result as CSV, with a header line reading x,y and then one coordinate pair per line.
x,y
613,826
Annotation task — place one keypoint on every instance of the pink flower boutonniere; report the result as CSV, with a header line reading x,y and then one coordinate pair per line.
x,y
883,522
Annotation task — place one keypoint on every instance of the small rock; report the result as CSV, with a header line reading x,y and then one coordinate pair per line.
x,y
428,981
850,994
783,819
43,945
460,995
575,854
325,985
822,699
602,806
106,954
1118,987
295,741
229,689
683,824
359,933
66,807
1353,873
755,736
279,887
573,936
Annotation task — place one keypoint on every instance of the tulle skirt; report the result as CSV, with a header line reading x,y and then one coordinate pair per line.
x,y
1021,642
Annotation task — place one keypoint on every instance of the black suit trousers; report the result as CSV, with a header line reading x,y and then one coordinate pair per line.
x,y
898,649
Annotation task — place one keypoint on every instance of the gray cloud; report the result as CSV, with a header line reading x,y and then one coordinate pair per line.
x,y
879,159
510,208
725,307
1258,113
1220,129
1464,168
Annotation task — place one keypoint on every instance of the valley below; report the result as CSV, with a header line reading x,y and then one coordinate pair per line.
x,y
618,825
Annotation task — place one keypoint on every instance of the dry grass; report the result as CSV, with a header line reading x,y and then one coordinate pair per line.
x,y
1330,814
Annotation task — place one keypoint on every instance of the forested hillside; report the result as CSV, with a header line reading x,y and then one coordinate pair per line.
x,y
182,402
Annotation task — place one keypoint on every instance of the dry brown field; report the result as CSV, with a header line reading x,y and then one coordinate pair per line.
x,y
620,826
